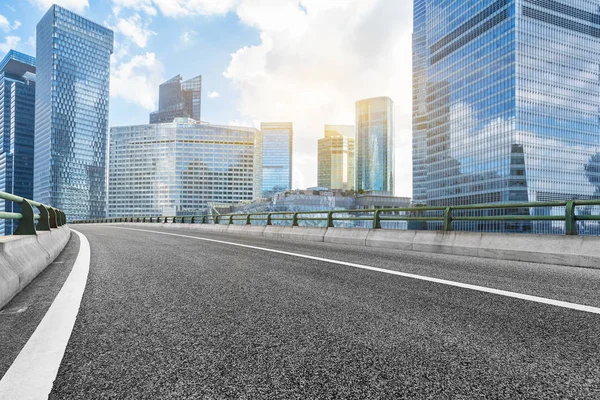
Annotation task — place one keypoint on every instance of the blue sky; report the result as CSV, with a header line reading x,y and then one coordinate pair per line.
x,y
303,61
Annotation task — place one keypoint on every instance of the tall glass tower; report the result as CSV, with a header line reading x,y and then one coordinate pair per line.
x,y
71,110
17,117
177,99
276,157
506,101
336,158
375,146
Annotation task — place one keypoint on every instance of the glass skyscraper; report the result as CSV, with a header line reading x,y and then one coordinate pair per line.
x,y
506,101
17,118
374,167
336,158
277,157
71,113
177,168
177,99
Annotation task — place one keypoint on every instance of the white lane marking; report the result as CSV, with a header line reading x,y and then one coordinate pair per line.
x,y
536,299
32,374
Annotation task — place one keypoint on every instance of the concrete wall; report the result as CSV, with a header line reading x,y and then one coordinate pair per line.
x,y
22,258
578,251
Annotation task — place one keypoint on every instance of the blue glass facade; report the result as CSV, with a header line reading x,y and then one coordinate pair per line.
x,y
506,103
277,157
374,146
71,126
17,118
177,99
178,168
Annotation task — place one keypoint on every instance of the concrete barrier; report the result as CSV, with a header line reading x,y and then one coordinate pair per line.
x,y
579,251
352,236
22,258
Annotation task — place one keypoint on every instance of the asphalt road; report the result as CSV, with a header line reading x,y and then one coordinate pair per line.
x,y
167,317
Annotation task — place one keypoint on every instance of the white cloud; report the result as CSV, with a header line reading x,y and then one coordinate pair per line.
x,y
188,37
10,42
139,5
137,80
77,6
179,8
311,68
4,24
31,42
213,95
176,8
135,28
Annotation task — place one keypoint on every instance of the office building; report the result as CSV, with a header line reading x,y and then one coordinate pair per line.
x,y
178,99
177,168
374,144
277,157
71,113
506,102
336,158
17,118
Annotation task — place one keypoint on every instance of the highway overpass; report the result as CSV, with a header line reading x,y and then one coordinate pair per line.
x,y
149,312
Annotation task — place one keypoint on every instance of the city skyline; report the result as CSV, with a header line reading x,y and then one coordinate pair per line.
x,y
153,44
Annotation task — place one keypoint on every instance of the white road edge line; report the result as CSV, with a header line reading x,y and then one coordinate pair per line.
x,y
536,299
33,372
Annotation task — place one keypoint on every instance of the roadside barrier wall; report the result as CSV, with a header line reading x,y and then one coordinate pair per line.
x,y
23,257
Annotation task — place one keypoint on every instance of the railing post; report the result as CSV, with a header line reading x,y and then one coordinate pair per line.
x,y
295,219
192,220
174,220
183,220
377,219
205,219
44,221
231,219
27,223
570,223
269,221
330,219
52,214
448,219
216,220
248,220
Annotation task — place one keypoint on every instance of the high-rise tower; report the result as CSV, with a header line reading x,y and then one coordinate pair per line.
x,y
71,113
336,158
178,99
374,167
506,101
276,157
17,117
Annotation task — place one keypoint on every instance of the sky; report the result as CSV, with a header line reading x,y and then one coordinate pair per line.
x,y
304,61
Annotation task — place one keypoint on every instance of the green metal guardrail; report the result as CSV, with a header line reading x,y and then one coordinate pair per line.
x,y
445,215
48,217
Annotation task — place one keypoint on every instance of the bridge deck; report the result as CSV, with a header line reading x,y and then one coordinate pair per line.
x,y
167,316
